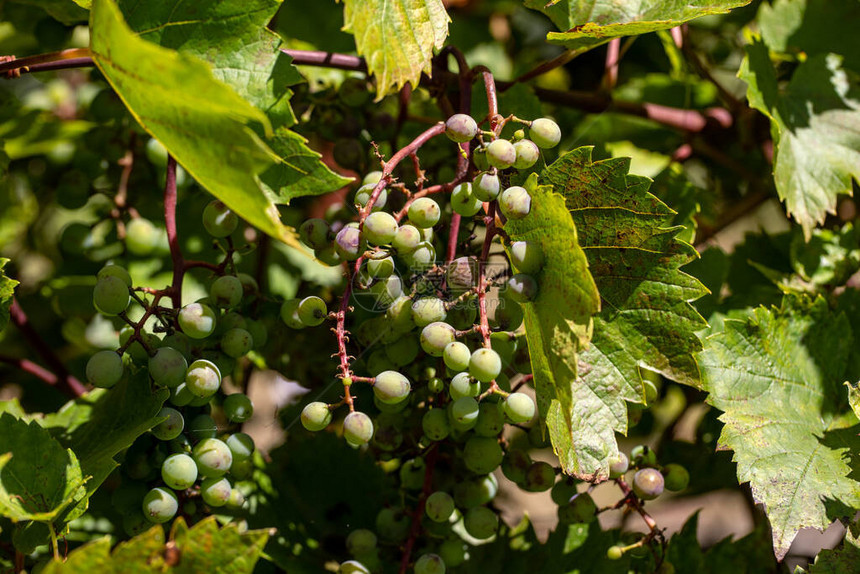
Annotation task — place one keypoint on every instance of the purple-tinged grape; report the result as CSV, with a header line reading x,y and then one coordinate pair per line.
x,y
462,274
428,310
141,236
439,506
490,421
540,476
527,154
403,351
501,154
526,257
461,128
197,320
515,465
312,311
581,509
435,336
213,457
676,477
113,270
314,233
379,268
618,465
241,445
463,385
519,407
485,365
179,471
643,455
481,522
435,424
464,413
110,295
349,243
515,202
167,367
171,427
160,505
236,499
456,356
379,228
219,220
648,483
521,288
236,343
238,408
545,133
365,192
203,378
202,427
316,416
424,212
486,186
391,387
430,563
482,455
290,314
464,201
357,428
226,292
360,542
104,369
215,491
406,239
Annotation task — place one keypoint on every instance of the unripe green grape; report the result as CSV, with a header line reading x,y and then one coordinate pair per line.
x,y
382,267
615,552
481,522
215,491
648,483
180,396
424,212
540,476
428,310
387,438
430,563
521,288
179,341
485,365
312,311
515,465
353,567
618,465
508,314
403,351
527,154
226,291
236,343
316,416
179,471
486,186
519,407
515,202
141,236
110,295
426,234
241,446
314,233
676,477
328,255
501,154
160,505
197,320
364,193
422,257
213,457
490,421
290,314
475,492
406,239
562,491
391,387
203,378
236,499
353,92
526,256
435,424
464,201
412,474
643,455
113,270
463,385
242,469
435,336
386,290
399,314
482,455
439,506
545,133
456,356
349,243
238,408
104,369
202,427
461,128
379,228
392,524
464,413
167,367
360,542
435,385
357,428
378,362
231,320
453,552
372,177
581,509
219,220
171,427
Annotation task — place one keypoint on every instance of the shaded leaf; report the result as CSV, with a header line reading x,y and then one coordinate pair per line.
x,y
646,319
776,377
396,37
815,125
830,257
842,559
7,290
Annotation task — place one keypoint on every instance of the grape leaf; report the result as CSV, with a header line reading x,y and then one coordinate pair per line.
x,y
39,478
776,377
815,125
842,559
7,290
396,37
589,23
854,397
558,322
646,319
203,123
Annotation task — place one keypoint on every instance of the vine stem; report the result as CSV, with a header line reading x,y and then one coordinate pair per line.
x,y
172,236
426,489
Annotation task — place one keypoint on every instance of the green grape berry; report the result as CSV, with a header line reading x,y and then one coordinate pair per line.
x,y
241,445
202,427
215,491
422,257
226,291
515,202
104,369
167,367
238,408
435,337
219,220
482,455
379,228
430,563
485,365
197,320
171,427
519,407
642,455
521,288
481,522
515,465
424,212
141,236
290,314
312,311
360,542
648,483
392,524
439,506
463,385
179,471
464,413
615,552
618,465
676,477
236,343
357,428
316,416
527,154
464,201
365,192
236,499
428,310
203,378
353,567
391,387
406,239
435,424
490,421
545,133
501,154
160,505
213,457
540,476
486,186
581,509
403,351
112,270
456,356
380,267
526,257
314,233
111,295
461,128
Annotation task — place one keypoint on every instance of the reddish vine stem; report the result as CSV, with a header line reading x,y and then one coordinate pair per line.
x,y
65,381
613,56
426,490
31,368
172,237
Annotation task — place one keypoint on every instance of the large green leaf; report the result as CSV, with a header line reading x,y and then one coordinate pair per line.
x,y
815,125
396,37
777,378
7,290
558,322
204,124
38,477
646,319
585,24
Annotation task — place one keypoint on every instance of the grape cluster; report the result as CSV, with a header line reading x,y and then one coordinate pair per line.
x,y
188,458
